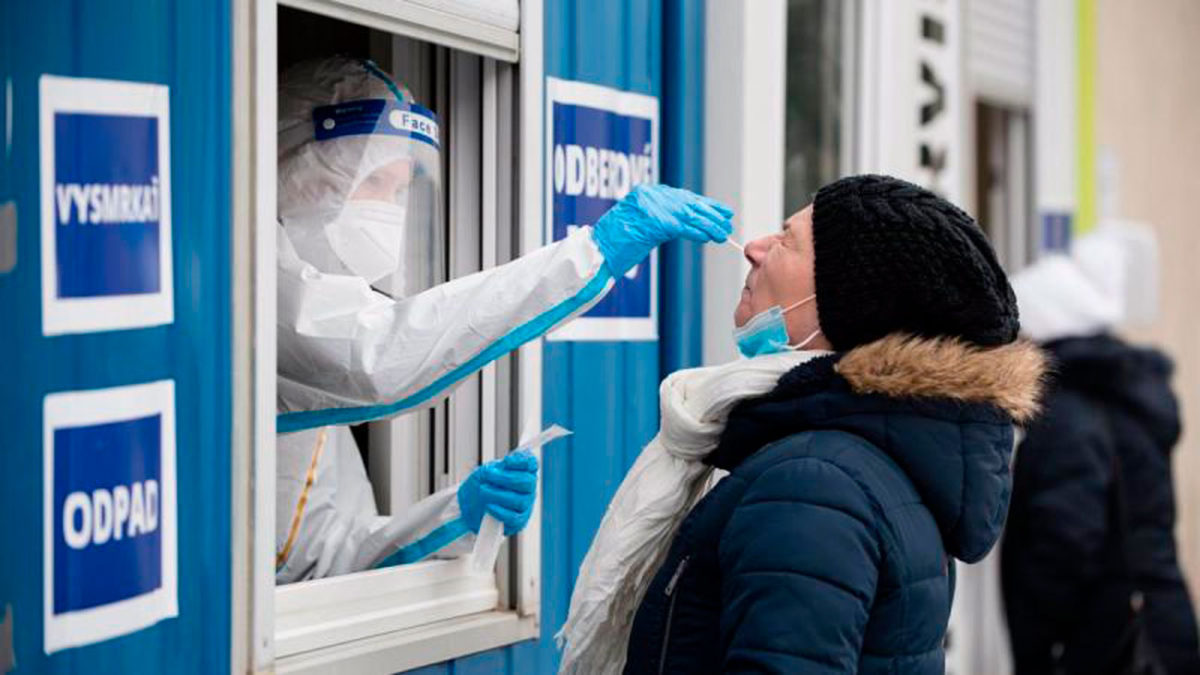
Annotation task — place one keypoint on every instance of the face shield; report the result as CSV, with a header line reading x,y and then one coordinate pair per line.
x,y
360,194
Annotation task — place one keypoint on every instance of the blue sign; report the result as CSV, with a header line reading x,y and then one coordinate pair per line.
x,y
601,143
105,205
1056,231
107,542
109,512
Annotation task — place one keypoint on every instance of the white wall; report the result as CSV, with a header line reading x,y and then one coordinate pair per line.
x,y
891,93
744,146
1054,119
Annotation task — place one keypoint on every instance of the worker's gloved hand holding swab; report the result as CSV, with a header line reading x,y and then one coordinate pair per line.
x,y
501,519
651,215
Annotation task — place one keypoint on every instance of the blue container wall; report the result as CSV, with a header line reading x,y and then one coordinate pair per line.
x,y
184,44
681,286
608,392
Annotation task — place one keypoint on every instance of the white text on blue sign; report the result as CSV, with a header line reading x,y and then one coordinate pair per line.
x,y
599,172
110,515
102,204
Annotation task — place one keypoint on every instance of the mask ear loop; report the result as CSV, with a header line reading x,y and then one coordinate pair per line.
x,y
798,303
805,341
797,347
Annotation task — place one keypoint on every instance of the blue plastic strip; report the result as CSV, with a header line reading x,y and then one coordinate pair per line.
x,y
391,85
444,535
375,116
310,419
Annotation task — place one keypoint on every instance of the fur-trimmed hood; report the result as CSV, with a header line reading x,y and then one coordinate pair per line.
x,y
941,409
1009,377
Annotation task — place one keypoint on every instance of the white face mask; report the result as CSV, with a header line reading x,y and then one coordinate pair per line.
x,y
368,238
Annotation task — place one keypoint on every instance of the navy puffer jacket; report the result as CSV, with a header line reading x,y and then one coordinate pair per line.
x,y
1108,400
828,548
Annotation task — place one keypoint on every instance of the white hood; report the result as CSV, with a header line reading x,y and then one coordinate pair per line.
x,y
1109,279
1058,300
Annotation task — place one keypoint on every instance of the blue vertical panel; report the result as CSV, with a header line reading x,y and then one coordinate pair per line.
x,y
606,391
556,504
184,44
523,658
595,412
681,291
487,663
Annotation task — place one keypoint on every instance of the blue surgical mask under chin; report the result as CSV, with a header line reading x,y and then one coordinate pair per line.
x,y
766,332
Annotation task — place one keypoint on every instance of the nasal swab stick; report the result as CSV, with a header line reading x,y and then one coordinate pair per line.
x,y
491,531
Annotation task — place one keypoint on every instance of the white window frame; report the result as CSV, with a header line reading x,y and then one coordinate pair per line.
x,y
403,617
431,21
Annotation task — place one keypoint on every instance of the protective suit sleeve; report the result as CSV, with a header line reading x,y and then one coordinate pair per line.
x,y
349,354
326,520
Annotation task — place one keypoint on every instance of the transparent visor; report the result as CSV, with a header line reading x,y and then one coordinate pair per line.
x,y
384,223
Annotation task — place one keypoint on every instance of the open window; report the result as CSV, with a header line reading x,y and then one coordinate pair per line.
x,y
1003,173
999,56
457,59
819,123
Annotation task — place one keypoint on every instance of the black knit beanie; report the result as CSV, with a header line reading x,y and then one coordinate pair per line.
x,y
890,256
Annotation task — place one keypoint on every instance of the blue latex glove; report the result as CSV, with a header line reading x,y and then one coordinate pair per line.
x,y
504,489
655,214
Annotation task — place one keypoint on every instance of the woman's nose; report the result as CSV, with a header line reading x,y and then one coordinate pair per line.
x,y
756,251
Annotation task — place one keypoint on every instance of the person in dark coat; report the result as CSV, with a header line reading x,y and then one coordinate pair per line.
x,y
857,479
853,486
1068,566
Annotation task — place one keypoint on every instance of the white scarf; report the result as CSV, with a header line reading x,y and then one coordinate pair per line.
x,y
663,485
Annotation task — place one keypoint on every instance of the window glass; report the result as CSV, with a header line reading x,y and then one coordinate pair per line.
x,y
1002,174
814,98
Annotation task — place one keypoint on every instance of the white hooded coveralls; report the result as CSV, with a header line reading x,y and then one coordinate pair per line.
x,y
348,354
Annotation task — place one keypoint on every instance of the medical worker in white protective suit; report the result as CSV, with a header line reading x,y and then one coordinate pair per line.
x,y
362,335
